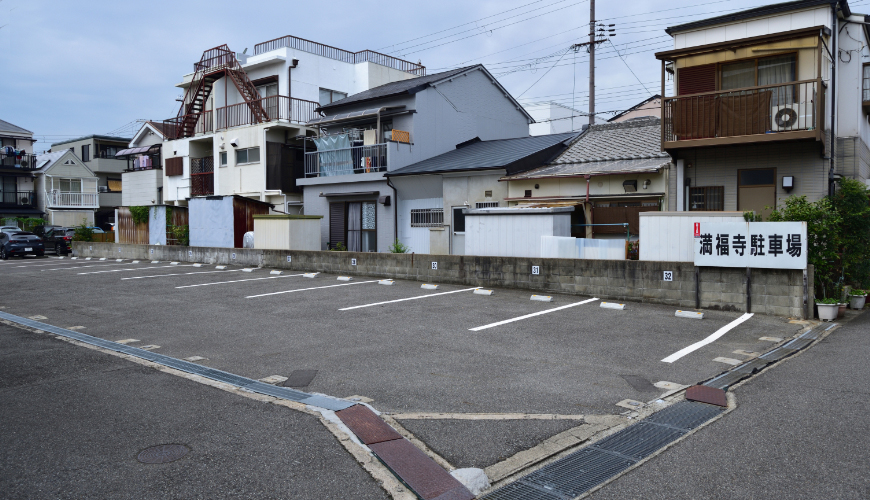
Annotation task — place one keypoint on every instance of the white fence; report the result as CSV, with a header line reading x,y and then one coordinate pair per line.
x,y
670,236
556,247
64,199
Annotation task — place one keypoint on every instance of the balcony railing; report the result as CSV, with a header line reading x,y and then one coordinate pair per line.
x,y
754,114
354,160
340,54
10,199
21,162
64,199
277,107
205,125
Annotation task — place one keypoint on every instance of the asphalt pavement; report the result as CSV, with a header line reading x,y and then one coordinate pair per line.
x,y
74,421
800,431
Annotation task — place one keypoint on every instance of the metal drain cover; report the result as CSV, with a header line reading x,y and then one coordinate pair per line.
x,y
162,454
706,394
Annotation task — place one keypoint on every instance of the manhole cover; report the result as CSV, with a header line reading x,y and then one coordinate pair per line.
x,y
162,454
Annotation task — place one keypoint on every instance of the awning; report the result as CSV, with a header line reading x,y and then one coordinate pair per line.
x,y
355,115
20,211
154,148
355,193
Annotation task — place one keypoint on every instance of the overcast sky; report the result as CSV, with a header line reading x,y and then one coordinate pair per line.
x,y
90,67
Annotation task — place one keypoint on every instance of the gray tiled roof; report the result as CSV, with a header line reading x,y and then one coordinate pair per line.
x,y
485,155
8,127
630,146
409,86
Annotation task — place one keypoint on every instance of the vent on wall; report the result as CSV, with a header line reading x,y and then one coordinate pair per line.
x,y
486,204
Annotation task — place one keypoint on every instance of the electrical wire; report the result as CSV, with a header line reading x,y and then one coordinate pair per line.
x,y
629,68
545,74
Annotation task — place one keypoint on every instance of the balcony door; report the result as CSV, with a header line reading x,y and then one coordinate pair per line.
x,y
756,190
8,190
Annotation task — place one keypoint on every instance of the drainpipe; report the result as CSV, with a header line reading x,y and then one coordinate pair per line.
x,y
378,131
836,57
395,210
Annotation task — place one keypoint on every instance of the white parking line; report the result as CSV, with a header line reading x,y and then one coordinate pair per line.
x,y
313,288
178,274
484,327
80,267
130,269
239,281
709,340
409,298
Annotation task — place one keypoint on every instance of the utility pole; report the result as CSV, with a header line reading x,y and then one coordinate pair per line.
x,y
597,34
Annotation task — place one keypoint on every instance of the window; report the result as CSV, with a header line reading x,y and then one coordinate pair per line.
x,y
486,204
711,198
71,185
762,71
459,219
114,185
11,142
865,86
427,217
86,152
268,90
328,96
223,157
250,155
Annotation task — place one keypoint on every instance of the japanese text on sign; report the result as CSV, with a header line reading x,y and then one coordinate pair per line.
x,y
772,245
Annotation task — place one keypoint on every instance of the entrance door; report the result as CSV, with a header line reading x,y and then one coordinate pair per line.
x,y
457,244
756,189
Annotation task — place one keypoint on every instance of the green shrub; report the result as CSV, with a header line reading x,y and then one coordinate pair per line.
x,y
398,247
84,232
140,214
28,223
339,247
828,301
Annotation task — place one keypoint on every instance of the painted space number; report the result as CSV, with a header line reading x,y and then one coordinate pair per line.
x,y
233,255
434,265
668,276
353,262
289,259
536,269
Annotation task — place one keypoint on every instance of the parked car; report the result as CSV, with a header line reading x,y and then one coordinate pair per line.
x,y
59,238
41,230
20,243
9,229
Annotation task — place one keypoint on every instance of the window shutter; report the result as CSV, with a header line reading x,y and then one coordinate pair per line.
x,y
336,224
174,166
696,79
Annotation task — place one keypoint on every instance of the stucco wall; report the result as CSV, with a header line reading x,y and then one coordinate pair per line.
x,y
140,188
211,222
319,205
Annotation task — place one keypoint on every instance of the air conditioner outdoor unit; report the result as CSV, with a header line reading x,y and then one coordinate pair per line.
x,y
794,116
104,189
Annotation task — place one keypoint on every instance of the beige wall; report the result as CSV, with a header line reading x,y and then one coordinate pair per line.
x,y
652,108
598,185
807,60
140,188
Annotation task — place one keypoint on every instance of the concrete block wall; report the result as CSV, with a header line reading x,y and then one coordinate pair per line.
x,y
774,291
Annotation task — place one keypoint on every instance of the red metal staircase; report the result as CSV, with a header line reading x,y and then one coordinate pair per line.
x,y
214,64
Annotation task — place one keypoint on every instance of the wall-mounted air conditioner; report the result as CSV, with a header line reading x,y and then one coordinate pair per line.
x,y
104,189
795,116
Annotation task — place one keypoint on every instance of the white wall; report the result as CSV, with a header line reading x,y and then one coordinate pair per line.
x,y
817,16
140,187
670,236
513,234
211,222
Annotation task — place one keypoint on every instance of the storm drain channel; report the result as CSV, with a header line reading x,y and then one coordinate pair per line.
x,y
583,470
244,383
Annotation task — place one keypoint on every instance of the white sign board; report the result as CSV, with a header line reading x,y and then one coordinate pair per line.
x,y
761,245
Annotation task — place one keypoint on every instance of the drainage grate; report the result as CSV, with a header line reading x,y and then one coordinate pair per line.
x,y
777,354
752,366
684,415
278,392
327,402
367,426
640,440
522,491
707,394
798,343
162,454
578,472
726,380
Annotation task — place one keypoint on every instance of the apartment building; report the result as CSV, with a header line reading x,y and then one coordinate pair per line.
x,y
98,153
65,189
366,135
17,166
769,102
240,128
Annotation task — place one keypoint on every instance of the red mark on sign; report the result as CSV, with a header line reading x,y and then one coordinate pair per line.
x,y
697,229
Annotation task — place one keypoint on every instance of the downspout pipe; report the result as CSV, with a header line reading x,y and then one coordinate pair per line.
x,y
835,68
395,210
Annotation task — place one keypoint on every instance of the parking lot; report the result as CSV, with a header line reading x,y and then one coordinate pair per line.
x,y
410,350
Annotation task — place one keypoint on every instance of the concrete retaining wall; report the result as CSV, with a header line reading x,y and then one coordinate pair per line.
x,y
774,291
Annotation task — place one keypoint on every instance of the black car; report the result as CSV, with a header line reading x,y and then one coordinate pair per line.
x,y
20,244
59,238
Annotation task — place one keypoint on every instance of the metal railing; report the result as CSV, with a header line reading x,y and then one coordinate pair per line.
x,y
202,176
340,54
353,160
23,162
64,199
205,125
427,217
17,198
277,107
766,109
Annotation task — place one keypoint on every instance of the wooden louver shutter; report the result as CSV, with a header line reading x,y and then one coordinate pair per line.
x,y
174,166
696,79
336,224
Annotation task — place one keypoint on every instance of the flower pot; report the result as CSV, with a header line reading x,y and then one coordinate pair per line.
x,y
857,301
828,312
841,309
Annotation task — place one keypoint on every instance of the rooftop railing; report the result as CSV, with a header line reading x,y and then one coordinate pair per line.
x,y
340,54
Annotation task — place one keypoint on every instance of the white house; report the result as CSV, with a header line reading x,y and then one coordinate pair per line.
x,y
66,189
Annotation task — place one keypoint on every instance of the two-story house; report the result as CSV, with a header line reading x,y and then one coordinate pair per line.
x,y
98,153
66,189
238,130
388,127
17,164
768,103
143,174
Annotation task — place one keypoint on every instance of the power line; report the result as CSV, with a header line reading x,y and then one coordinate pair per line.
x,y
629,68
545,74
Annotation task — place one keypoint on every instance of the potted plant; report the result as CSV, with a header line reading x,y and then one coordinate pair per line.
x,y
828,309
857,298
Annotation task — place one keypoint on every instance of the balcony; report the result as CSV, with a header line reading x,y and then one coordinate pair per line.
x,y
17,199
353,160
340,54
781,112
277,107
20,163
67,199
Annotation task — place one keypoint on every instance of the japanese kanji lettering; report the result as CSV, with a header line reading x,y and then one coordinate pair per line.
x,y
793,245
739,244
757,245
774,244
707,244
721,244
